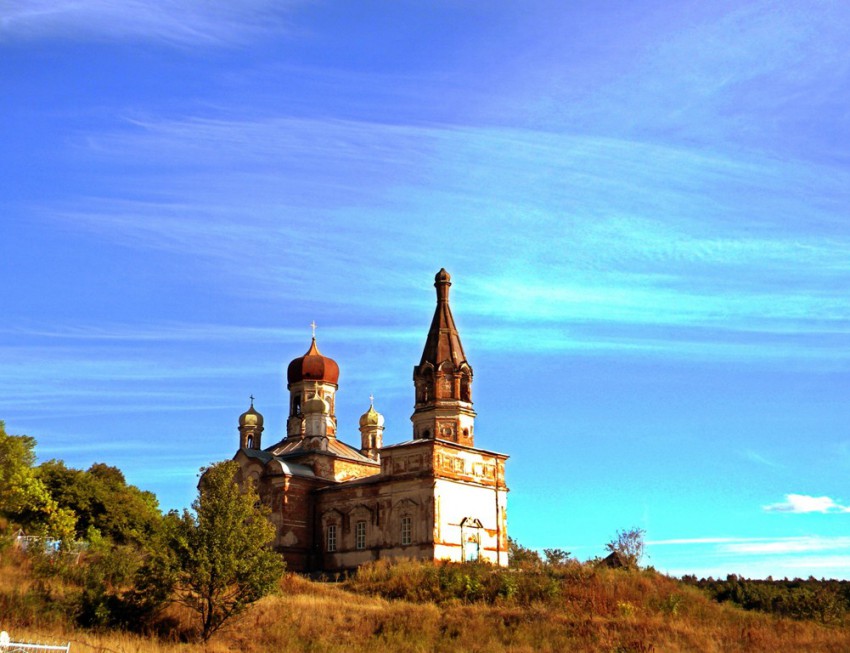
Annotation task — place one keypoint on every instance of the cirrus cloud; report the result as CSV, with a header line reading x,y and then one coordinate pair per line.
x,y
191,22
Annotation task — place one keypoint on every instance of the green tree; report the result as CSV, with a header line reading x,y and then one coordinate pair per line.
x,y
102,500
24,498
556,557
222,552
629,545
521,557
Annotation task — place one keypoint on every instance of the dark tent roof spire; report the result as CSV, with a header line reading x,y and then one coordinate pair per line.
x,y
443,341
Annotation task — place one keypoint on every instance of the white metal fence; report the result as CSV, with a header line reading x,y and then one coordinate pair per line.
x,y
8,646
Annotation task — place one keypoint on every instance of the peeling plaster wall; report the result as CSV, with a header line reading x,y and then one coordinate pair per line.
x,y
460,508
382,505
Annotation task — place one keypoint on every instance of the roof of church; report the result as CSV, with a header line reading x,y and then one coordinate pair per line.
x,y
287,467
449,443
443,341
300,447
312,366
365,480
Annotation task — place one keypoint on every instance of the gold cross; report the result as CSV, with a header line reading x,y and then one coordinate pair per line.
x,y
313,324
371,400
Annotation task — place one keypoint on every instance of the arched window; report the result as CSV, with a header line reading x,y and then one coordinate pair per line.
x,y
465,388
331,538
360,535
445,385
406,530
427,383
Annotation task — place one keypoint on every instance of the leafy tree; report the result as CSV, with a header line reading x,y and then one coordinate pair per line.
x,y
20,490
520,556
102,501
556,557
629,545
156,578
222,552
826,601
24,498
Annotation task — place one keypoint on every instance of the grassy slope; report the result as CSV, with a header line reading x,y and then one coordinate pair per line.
x,y
593,610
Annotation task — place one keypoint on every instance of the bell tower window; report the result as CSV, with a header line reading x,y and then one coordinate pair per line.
x,y
465,390
445,388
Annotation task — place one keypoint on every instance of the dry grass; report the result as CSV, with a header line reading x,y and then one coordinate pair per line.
x,y
605,611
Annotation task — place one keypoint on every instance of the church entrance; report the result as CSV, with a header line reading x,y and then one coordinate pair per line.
x,y
470,537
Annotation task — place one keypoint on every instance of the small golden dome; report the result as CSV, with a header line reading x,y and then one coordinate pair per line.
x,y
316,404
251,417
371,418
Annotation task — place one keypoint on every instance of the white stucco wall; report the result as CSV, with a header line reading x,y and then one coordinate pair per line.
x,y
458,508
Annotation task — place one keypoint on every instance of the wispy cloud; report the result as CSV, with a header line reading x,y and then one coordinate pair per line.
x,y
803,503
688,541
726,70
760,459
762,545
161,332
187,22
797,566
757,557
615,252
805,544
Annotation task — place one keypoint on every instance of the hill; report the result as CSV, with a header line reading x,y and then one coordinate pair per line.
x,y
412,606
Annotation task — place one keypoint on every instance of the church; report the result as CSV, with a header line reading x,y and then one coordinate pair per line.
x,y
335,506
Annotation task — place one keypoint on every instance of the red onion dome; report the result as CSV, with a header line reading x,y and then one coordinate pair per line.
x,y
312,366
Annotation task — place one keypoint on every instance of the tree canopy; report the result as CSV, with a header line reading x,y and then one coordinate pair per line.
x,y
67,503
222,552
101,499
24,499
20,489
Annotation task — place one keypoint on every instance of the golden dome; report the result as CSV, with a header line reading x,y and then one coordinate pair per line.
x,y
251,417
316,404
371,418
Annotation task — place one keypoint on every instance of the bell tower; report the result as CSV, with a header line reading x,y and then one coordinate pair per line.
x,y
250,428
443,378
311,376
371,432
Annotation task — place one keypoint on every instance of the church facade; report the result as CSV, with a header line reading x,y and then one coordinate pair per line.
x,y
434,497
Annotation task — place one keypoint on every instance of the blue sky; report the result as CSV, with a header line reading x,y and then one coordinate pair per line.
x,y
643,206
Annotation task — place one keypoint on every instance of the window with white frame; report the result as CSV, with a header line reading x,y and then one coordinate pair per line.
x,y
331,543
360,535
406,526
